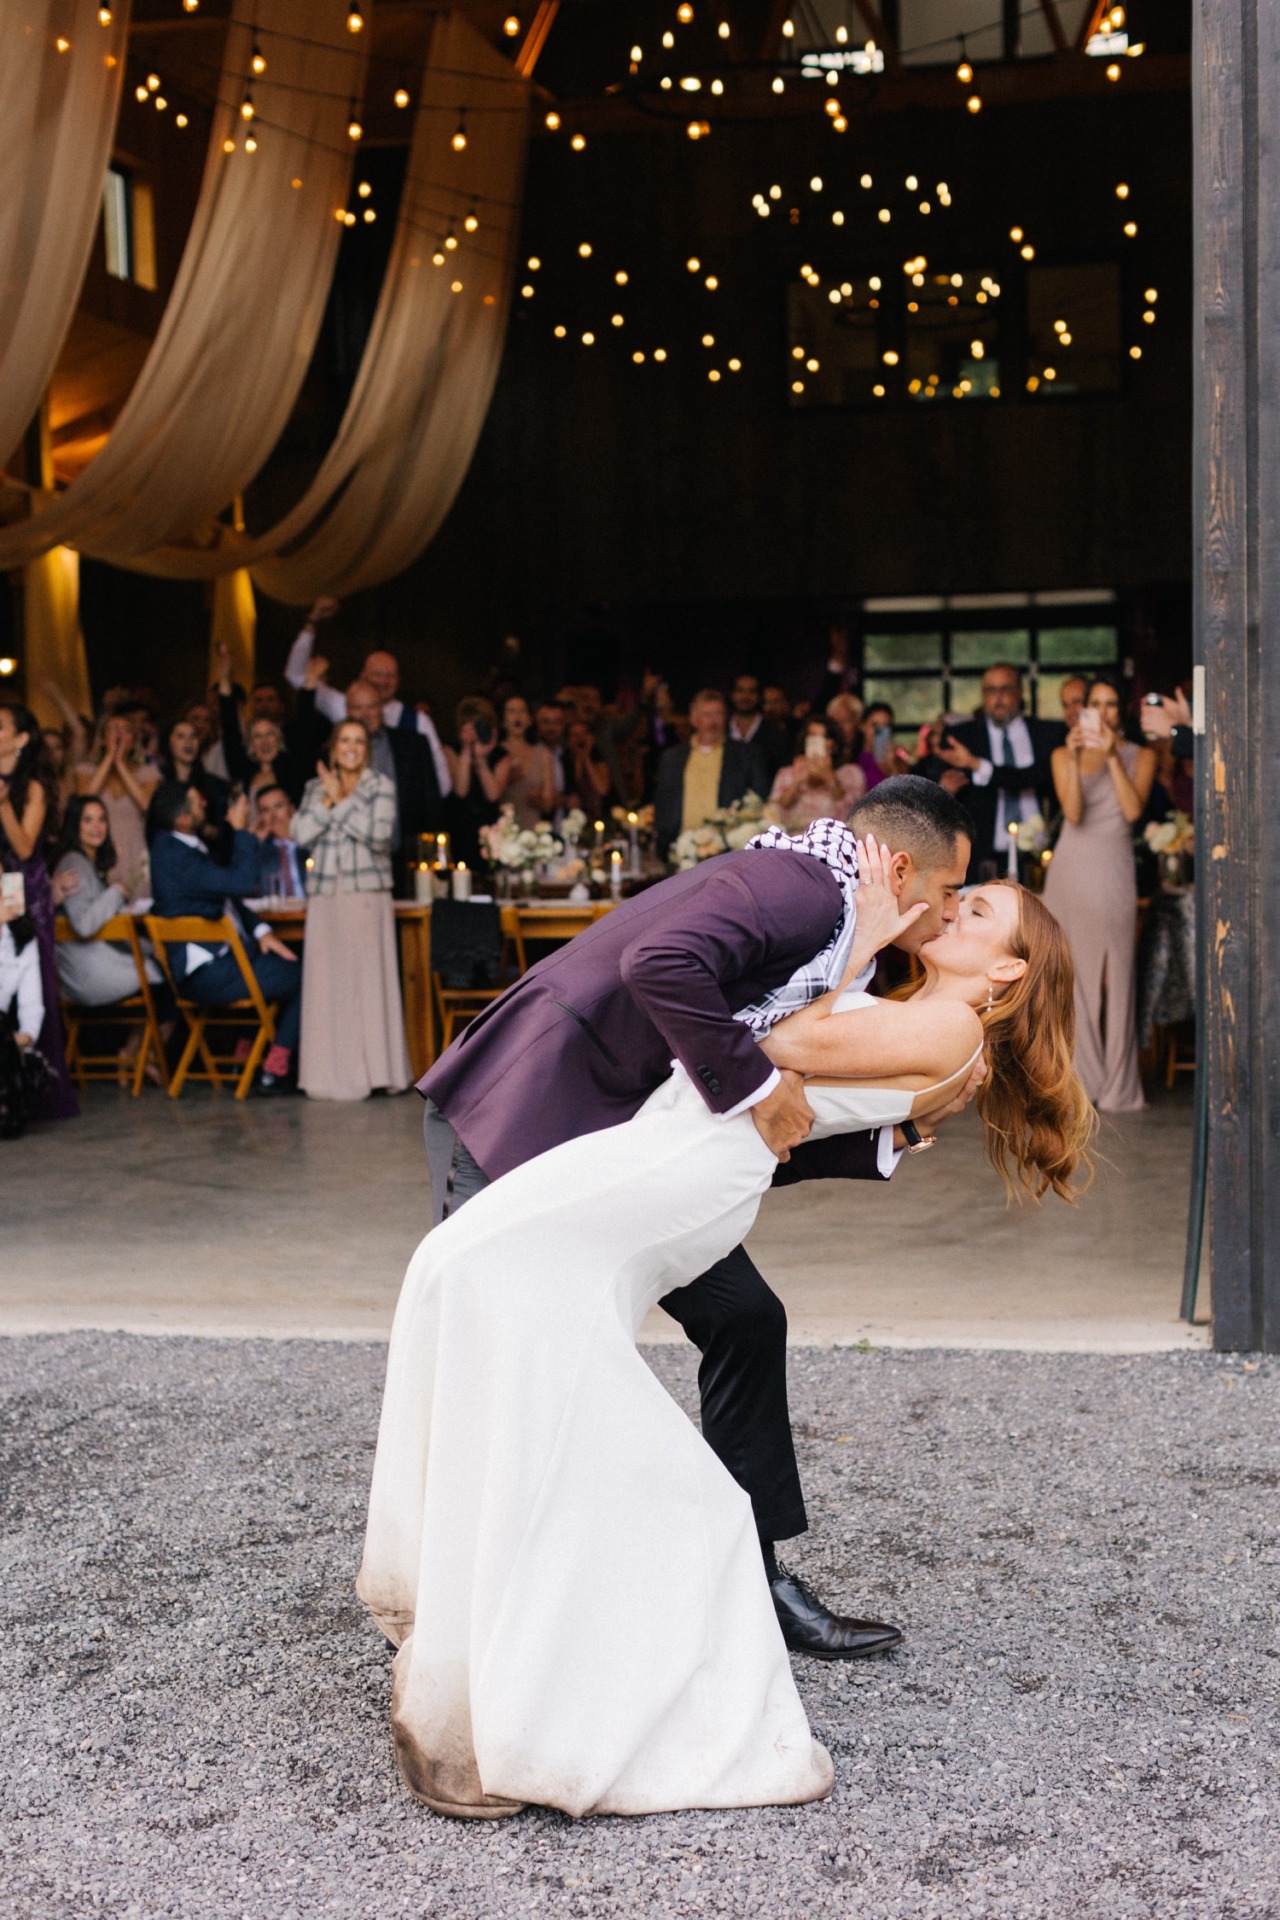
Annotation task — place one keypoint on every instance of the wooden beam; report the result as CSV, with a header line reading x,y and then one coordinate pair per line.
x,y
1053,20
1236,531
536,38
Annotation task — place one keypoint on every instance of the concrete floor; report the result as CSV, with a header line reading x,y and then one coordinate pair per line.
x,y
296,1219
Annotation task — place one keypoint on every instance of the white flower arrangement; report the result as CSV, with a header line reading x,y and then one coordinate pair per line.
x,y
1031,836
518,848
725,831
1176,833
574,824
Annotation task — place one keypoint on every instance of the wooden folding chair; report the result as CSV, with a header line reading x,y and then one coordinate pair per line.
x,y
253,1010
459,1004
138,1010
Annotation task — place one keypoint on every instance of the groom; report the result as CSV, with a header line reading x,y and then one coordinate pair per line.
x,y
581,1041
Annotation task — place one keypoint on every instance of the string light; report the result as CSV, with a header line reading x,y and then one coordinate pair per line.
x,y
355,19
62,43
973,103
527,292
1122,191
1135,353
964,72
459,140
370,215
659,353
588,339
638,357
140,95
161,103
684,13
698,129
585,249
711,283
259,60
552,121
559,332
455,286
364,189
153,82
617,320
228,145
180,120
354,130
472,221
190,6
401,96
621,277
511,26
693,264
578,142
724,30
1131,229
105,16
246,107
250,145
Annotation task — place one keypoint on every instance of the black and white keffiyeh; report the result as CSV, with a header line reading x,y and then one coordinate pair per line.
x,y
831,842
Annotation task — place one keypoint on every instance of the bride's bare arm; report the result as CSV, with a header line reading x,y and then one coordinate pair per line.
x,y
917,1042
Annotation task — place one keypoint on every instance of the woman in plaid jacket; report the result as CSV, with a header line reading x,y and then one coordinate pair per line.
x,y
352,1017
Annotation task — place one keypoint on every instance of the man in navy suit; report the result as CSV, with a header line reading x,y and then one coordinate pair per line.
x,y
582,1040
1002,764
185,879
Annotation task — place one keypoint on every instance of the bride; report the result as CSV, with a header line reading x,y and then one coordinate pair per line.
x,y
538,1499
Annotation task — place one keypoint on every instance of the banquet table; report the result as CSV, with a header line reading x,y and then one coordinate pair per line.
x,y
537,919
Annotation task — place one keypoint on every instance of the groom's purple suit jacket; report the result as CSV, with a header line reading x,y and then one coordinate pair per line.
x,y
581,1041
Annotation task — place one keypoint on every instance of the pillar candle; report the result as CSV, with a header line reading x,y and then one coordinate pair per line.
x,y
461,882
422,885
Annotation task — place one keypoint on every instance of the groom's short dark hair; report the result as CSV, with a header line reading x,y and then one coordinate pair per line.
x,y
913,816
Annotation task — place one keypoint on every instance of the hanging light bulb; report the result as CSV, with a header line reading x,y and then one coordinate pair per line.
x,y
472,221
246,107
401,96
459,140
62,43
189,6
684,13
450,241
578,142
365,189
105,16
250,145
259,59
153,82
180,120
511,26
355,19
354,130
964,72
552,122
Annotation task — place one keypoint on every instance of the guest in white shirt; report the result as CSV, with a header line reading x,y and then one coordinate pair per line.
x,y
382,671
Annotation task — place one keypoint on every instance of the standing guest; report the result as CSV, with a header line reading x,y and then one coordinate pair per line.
x,y
188,880
66,744
26,814
257,755
283,869
470,804
182,763
550,723
814,787
880,758
588,780
122,780
352,1017
1103,783
381,671
1071,695
776,707
21,988
406,760
521,769
711,772
93,972
1002,762
747,723
844,711
658,727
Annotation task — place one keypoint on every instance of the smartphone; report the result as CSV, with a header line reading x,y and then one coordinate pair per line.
x,y
484,733
1153,700
1091,726
882,740
13,890
817,747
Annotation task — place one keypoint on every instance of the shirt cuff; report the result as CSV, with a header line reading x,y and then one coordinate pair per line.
x,y
762,1092
261,928
981,774
887,1155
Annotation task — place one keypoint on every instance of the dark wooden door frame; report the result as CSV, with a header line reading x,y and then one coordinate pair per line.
x,y
1236,105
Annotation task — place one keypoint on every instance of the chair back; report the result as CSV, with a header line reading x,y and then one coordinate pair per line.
x,y
466,943
186,929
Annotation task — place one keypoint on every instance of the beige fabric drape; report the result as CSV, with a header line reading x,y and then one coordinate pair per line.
x,y
221,378
57,117
429,365
53,642
234,625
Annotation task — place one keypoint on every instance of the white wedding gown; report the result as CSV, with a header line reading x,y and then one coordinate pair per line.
x,y
572,1577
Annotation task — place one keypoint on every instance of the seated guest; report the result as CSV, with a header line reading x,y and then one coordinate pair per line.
x,y
100,972
283,867
352,1017
381,671
187,880
21,988
710,772
813,787
587,779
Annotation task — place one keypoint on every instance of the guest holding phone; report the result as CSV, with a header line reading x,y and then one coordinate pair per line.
x,y
352,1016
814,787
1103,783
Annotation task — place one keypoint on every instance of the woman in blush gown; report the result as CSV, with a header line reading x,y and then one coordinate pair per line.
x,y
538,1498
1103,783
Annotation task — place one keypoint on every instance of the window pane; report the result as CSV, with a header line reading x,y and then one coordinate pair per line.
x,y
966,693
1077,646
115,223
902,650
1073,329
833,347
984,649
914,700
952,336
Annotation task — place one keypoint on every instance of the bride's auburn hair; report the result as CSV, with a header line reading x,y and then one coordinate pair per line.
x,y
1038,1118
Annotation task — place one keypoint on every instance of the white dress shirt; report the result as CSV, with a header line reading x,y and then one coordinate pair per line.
x,y
20,981
333,705
198,956
1010,803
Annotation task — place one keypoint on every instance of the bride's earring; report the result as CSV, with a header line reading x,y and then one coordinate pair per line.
x,y
991,995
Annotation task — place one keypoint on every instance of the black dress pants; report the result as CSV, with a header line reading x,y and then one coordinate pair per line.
x,y
739,1326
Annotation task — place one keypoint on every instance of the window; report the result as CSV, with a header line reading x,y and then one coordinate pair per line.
x,y
923,670
921,331
129,228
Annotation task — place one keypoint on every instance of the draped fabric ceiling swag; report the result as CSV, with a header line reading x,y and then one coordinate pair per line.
x,y
238,332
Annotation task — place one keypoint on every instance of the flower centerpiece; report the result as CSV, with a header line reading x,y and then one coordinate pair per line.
x,y
725,831
516,852
1031,837
1173,841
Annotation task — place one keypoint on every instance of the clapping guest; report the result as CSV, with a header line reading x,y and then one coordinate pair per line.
x,y
182,763
352,1017
587,776
257,757
122,780
1103,783
283,867
520,773
814,787
92,972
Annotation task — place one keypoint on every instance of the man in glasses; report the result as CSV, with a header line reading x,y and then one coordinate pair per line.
x,y
1001,764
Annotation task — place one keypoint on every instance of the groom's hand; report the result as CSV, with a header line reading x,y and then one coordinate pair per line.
x,y
784,1117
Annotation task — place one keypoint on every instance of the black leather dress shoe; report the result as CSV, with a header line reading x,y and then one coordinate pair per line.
x,y
274,1086
809,1627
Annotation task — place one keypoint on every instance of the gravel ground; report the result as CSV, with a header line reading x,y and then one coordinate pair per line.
x,y
1084,1550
